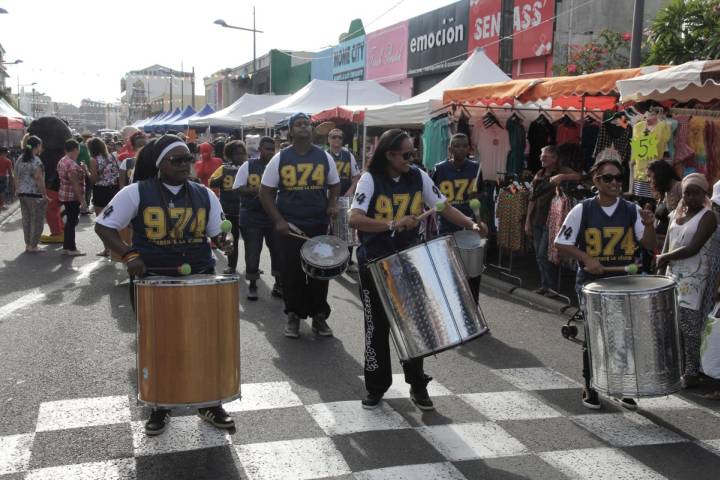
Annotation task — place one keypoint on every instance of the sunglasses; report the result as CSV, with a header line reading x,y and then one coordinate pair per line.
x,y
180,160
406,155
607,178
336,137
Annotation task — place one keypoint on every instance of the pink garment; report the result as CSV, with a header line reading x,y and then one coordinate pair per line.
x,y
683,152
567,133
491,147
560,206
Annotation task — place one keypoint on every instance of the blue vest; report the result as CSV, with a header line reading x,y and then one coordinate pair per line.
x,y
302,192
251,210
391,200
229,198
169,230
611,240
458,186
343,162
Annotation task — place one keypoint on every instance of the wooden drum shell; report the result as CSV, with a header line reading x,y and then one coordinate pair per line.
x,y
188,340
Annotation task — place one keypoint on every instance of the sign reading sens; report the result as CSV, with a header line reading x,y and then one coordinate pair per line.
x,y
437,40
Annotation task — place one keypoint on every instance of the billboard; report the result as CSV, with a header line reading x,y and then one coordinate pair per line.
x,y
387,51
438,40
349,59
532,28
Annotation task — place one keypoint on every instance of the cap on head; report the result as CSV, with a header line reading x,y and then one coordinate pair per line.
x,y
296,117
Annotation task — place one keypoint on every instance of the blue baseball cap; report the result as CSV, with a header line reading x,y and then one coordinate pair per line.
x,y
295,117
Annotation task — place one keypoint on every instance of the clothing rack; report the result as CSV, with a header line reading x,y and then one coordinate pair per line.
x,y
697,112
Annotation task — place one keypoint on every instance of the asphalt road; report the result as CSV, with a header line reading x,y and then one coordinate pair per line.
x,y
507,403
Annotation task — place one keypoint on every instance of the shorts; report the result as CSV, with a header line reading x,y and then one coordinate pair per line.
x,y
102,195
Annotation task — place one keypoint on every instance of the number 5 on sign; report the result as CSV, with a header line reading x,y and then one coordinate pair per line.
x,y
644,147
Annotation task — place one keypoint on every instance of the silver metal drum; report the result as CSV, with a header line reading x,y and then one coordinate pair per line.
x,y
427,299
471,249
341,223
632,334
324,257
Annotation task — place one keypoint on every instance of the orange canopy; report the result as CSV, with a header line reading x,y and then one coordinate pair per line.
x,y
501,92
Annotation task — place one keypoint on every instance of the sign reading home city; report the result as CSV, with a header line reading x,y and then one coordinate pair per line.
x,y
437,41
349,59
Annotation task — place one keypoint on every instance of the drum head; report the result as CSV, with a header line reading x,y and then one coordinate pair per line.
x,y
325,251
468,239
630,284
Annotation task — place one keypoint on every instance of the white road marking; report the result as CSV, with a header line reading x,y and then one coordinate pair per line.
x,y
83,412
599,464
340,418
123,469
470,441
28,299
427,471
626,429
263,396
538,378
400,389
297,459
183,434
15,453
87,269
509,406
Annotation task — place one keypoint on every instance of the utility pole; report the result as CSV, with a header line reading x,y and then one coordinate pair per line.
x,y
171,82
252,80
192,83
506,32
638,20
182,84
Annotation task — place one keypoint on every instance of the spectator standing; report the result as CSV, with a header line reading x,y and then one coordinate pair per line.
x,y
206,166
30,187
71,194
104,174
665,185
84,161
127,158
6,175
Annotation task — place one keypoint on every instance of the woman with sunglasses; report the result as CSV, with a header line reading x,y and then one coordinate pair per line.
x,y
162,242
388,199
604,231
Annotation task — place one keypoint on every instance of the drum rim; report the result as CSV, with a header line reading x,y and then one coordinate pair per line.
x,y
444,238
187,280
464,233
346,256
672,284
212,403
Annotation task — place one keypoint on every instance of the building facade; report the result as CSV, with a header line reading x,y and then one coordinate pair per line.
x,y
139,87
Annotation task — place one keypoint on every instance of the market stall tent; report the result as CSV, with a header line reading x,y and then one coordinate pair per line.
x,y
698,80
185,122
319,95
177,121
231,116
10,119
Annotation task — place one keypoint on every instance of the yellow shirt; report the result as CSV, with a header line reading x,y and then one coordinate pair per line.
x,y
663,133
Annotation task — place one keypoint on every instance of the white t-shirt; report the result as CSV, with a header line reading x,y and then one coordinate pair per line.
x,y
241,178
124,207
569,231
271,177
366,188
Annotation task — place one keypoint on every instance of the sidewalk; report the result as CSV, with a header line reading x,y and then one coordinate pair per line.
x,y
11,208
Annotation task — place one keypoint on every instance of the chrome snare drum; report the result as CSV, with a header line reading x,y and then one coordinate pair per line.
x,y
471,249
427,299
632,334
341,223
324,257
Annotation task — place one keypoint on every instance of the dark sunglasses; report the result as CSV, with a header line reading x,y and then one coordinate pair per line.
x,y
406,155
336,137
607,178
180,159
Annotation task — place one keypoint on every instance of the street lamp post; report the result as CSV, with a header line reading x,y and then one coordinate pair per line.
x,y
223,24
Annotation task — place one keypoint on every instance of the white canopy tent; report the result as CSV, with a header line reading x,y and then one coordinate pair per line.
x,y
230,117
319,95
698,80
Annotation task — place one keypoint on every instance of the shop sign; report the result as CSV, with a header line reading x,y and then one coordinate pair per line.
x,y
387,53
349,59
532,28
437,41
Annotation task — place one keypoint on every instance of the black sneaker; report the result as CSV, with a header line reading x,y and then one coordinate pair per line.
x,y
292,329
421,399
252,291
371,400
590,399
229,271
216,416
158,422
277,290
320,326
627,403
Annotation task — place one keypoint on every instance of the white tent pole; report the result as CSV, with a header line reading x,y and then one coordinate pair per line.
x,y
364,143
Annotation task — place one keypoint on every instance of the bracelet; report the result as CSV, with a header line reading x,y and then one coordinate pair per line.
x,y
130,255
391,225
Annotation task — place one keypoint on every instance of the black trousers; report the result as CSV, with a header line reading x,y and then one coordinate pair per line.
x,y
475,288
253,241
303,295
72,214
233,257
378,366
586,370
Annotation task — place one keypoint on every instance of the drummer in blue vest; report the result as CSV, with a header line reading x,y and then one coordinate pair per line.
x,y
348,171
171,219
600,232
235,154
255,224
387,201
300,186
460,180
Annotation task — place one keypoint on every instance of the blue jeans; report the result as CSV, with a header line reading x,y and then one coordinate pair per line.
x,y
548,271
253,240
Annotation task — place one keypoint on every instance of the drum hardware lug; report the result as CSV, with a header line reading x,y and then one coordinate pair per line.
x,y
145,373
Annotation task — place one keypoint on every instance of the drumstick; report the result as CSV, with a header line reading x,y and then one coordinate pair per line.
x,y
632,269
296,232
439,207
183,269
475,207
293,234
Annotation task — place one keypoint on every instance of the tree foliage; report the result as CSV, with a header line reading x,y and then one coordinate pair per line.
x,y
683,31
607,52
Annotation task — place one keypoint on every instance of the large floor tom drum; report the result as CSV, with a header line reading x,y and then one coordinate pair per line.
x,y
632,333
427,299
188,340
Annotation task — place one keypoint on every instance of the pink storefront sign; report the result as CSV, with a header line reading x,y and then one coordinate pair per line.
x,y
387,53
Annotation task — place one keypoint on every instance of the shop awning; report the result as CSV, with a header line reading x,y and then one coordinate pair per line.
x,y
10,123
500,92
699,80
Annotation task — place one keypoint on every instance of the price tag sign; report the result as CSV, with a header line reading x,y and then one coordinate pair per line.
x,y
644,147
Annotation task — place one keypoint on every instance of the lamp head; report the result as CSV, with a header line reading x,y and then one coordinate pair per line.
x,y
220,22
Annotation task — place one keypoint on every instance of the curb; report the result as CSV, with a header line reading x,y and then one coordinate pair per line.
x,y
12,208
526,296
